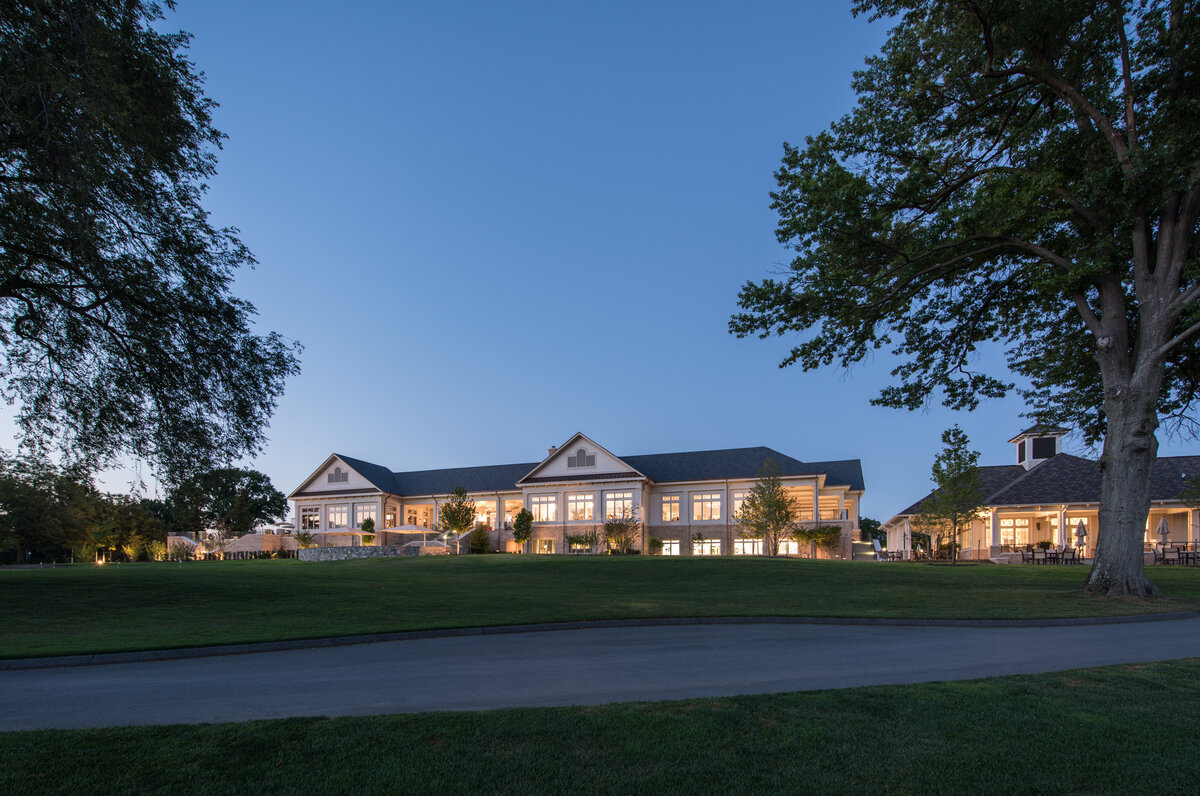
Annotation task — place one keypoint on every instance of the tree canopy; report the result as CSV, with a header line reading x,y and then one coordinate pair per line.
x,y
118,330
1015,174
232,500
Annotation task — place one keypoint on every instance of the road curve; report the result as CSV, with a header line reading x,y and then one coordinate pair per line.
x,y
567,667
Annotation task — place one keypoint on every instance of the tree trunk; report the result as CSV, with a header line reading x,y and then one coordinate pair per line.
x,y
1127,466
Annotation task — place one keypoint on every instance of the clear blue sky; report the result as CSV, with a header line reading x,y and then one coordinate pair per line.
x,y
495,224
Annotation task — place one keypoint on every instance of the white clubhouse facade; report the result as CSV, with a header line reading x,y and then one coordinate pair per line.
x,y
687,500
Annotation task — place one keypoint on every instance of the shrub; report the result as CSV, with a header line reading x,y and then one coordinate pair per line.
x,y
180,551
656,546
479,540
157,550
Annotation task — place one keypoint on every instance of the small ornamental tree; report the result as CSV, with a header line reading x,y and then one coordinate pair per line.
x,y
621,533
458,515
957,496
368,530
768,510
522,527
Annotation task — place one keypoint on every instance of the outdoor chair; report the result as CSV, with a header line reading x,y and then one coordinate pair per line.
x,y
1068,557
1026,556
1171,555
1039,556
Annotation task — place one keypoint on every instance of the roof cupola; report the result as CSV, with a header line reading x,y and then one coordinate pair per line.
x,y
1037,444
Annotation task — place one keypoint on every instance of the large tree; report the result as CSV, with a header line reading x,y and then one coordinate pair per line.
x,y
235,500
118,331
1020,175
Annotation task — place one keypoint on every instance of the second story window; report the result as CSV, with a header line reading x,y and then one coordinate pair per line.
x,y
618,505
581,506
543,507
670,508
706,506
339,476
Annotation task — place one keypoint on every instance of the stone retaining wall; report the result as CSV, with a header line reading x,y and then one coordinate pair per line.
x,y
347,553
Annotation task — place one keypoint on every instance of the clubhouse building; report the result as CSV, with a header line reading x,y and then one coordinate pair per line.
x,y
1047,495
687,500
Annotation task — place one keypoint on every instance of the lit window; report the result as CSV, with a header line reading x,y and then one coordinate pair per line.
x,y
364,510
544,546
337,516
789,547
670,547
618,505
706,547
543,507
706,506
485,512
581,506
1014,531
670,509
747,547
737,499
310,519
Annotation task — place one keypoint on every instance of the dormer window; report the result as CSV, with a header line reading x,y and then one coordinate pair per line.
x,y
582,459
339,476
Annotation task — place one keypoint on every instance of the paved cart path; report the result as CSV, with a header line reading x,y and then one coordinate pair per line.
x,y
569,667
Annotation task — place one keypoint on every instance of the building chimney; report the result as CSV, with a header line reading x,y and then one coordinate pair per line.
x,y
553,449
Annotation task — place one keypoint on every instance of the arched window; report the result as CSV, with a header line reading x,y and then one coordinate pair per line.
x,y
339,476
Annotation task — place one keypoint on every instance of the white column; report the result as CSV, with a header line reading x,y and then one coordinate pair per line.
x,y
1064,533
816,503
995,528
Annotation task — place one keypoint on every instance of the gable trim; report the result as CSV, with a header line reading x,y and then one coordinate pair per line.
x,y
566,447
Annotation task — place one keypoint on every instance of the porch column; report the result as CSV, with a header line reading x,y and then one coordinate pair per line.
x,y
1193,530
1063,531
841,505
907,549
816,503
995,528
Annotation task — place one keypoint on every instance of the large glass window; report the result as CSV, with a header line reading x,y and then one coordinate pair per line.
x,y
789,547
670,509
617,505
747,547
543,545
1014,531
706,506
485,513
706,547
544,507
581,506
670,546
337,516
364,510
736,499
310,518
511,509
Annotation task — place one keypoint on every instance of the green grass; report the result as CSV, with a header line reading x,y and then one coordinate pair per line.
x,y
1122,729
154,606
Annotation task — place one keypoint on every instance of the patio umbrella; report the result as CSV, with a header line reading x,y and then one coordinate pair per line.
x,y
1163,531
1080,534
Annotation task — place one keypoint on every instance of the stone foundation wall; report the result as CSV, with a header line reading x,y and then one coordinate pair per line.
x,y
346,553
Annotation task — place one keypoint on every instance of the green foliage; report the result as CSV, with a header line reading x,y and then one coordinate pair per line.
x,y
367,538
119,331
957,495
656,546
480,539
368,530
1000,179
621,533
230,499
871,530
178,550
768,510
522,527
305,539
458,513
824,537
157,550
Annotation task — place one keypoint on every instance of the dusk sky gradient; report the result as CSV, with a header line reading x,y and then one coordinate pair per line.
x,y
494,224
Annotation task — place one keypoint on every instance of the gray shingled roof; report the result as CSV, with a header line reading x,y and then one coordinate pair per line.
x,y
1069,479
658,467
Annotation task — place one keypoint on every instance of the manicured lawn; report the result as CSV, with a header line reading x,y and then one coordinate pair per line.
x,y
154,606
1123,729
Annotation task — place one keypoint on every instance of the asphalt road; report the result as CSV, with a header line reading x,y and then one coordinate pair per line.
x,y
569,667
